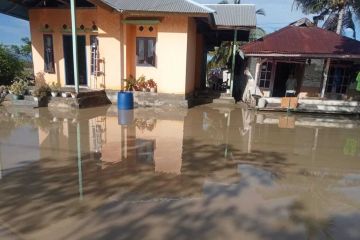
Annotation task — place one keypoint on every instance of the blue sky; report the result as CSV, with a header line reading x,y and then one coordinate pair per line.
x,y
279,13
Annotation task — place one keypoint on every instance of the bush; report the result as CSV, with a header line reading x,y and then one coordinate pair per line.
x,y
41,90
131,84
55,87
19,87
10,66
151,83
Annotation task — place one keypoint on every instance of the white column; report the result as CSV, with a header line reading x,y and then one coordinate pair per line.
x,y
74,44
257,71
233,63
325,77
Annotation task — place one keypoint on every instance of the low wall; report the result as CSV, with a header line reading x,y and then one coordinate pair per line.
x,y
323,105
147,99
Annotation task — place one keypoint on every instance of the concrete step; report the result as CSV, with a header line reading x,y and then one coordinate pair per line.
x,y
224,101
226,95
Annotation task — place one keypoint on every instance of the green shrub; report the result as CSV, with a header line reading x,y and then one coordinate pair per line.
x,y
55,87
10,66
19,87
41,90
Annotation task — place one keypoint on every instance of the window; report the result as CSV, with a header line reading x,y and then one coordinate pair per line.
x,y
145,51
265,75
48,54
338,80
94,46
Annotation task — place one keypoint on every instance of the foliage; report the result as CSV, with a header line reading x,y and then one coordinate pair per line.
x,y
131,83
22,50
151,83
141,83
55,87
41,90
4,89
19,87
221,54
3,93
335,13
10,66
256,34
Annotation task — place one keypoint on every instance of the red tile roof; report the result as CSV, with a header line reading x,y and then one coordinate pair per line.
x,y
304,41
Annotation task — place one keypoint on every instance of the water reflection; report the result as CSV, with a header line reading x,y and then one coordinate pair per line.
x,y
206,173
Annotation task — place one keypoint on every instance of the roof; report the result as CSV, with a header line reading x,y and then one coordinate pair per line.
x,y
164,6
19,8
224,15
13,9
230,15
294,41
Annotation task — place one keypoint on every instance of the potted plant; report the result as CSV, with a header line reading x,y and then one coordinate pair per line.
x,y
73,94
4,89
41,90
141,83
131,84
18,89
152,85
65,94
55,89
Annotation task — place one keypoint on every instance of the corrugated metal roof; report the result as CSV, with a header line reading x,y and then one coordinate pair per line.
x,y
14,9
230,15
309,41
173,6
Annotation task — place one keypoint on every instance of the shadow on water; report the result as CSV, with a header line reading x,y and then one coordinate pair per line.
x,y
214,187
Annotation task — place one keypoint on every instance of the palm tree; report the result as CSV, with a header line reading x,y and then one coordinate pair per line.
x,y
338,14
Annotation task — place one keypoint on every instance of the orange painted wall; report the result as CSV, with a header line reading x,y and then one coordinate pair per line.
x,y
108,34
171,54
175,48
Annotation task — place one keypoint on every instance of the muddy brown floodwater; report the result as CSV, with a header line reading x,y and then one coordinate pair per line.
x,y
205,173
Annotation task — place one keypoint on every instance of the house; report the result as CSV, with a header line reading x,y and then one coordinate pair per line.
x,y
324,63
164,40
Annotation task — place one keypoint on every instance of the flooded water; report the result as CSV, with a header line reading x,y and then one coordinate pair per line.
x,y
205,173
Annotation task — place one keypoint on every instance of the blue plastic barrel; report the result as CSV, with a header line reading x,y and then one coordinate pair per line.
x,y
125,117
125,100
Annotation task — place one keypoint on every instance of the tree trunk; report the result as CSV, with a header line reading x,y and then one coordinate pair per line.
x,y
340,21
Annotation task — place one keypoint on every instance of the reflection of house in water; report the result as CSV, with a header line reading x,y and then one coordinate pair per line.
x,y
333,141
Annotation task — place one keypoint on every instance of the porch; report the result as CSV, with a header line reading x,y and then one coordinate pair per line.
x,y
314,105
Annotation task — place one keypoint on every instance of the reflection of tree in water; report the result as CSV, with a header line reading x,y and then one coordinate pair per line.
x,y
6,124
315,197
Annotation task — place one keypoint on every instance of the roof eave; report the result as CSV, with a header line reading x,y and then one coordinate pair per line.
x,y
296,55
234,27
159,13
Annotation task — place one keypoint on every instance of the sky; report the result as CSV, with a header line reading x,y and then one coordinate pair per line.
x,y
279,13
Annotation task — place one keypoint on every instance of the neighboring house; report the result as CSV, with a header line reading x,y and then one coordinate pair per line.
x,y
166,40
303,50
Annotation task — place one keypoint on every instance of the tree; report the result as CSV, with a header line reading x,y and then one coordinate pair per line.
x,y
10,65
24,50
220,55
337,14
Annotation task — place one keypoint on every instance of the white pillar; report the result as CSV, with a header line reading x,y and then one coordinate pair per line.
x,y
325,77
74,44
233,63
257,71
